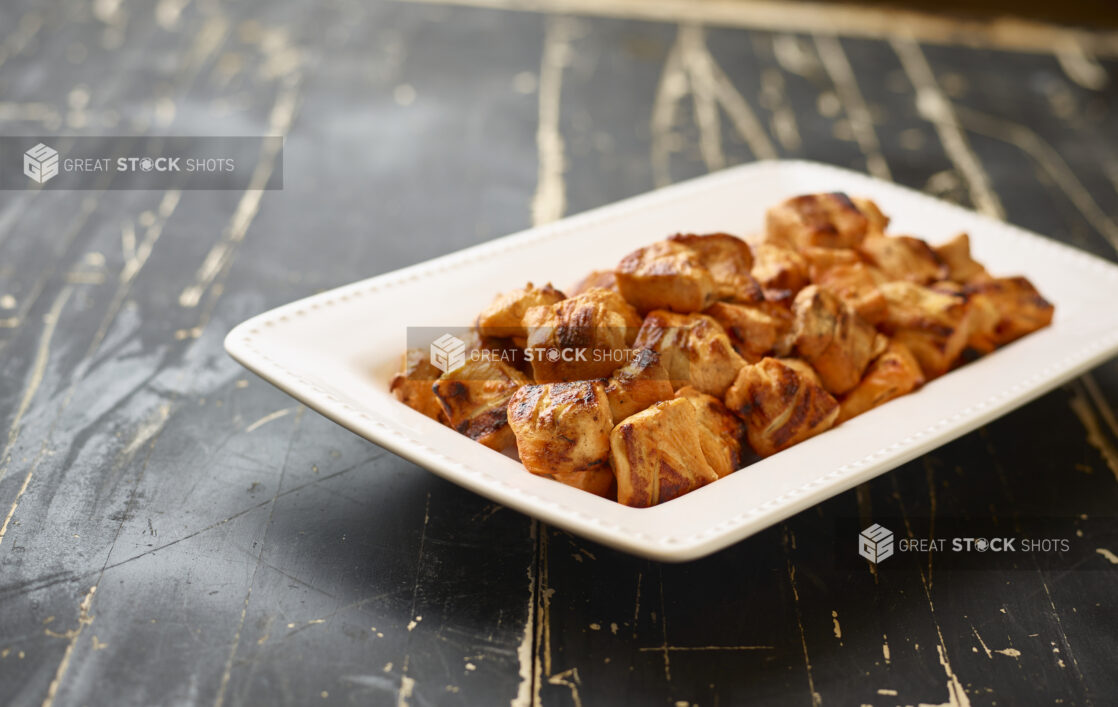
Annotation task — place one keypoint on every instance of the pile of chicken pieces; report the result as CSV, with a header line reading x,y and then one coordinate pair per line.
x,y
732,348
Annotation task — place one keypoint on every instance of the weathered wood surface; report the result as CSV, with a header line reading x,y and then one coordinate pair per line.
x,y
176,531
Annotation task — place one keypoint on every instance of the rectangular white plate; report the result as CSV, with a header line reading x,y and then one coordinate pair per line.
x,y
336,352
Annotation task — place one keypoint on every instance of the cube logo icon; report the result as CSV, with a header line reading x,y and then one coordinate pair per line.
x,y
875,543
40,163
448,353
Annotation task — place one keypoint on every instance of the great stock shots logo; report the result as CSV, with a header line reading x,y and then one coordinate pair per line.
x,y
158,162
40,163
875,543
448,353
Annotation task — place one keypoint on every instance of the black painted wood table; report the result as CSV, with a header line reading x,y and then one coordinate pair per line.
x,y
176,531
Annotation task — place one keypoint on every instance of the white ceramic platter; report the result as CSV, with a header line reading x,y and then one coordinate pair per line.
x,y
336,352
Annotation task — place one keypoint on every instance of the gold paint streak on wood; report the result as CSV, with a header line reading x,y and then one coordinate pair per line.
x,y
1082,408
543,616
816,698
407,687
406,682
672,88
550,200
38,370
850,20
84,619
935,108
637,603
571,680
1049,159
929,475
846,86
228,671
1080,66
690,68
1060,628
956,694
794,58
81,277
523,697
697,61
168,13
783,119
282,116
664,630
740,113
148,429
268,418
15,504
985,648
135,257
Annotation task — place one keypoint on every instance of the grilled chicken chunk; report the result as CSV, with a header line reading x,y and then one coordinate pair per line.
x,y
721,432
961,267
933,324
834,339
693,348
827,220
729,261
605,279
687,272
1003,310
665,275
904,258
474,398
504,317
782,402
561,428
636,385
856,284
754,330
778,268
894,373
580,338
657,454
875,220
412,386
819,260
